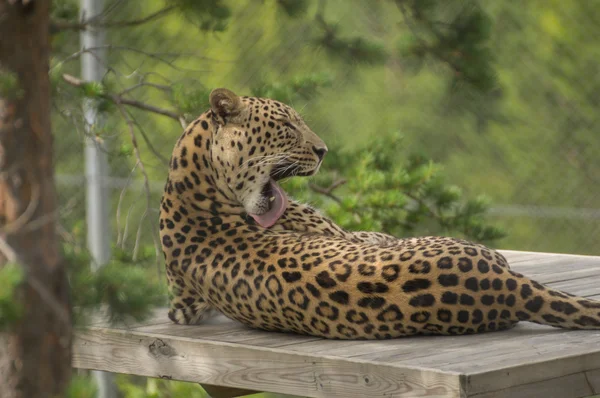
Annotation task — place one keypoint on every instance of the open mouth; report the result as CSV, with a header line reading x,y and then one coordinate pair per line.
x,y
274,196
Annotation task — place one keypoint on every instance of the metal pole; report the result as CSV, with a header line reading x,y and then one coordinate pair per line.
x,y
93,68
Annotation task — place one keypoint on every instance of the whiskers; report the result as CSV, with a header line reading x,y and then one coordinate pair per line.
x,y
285,171
262,161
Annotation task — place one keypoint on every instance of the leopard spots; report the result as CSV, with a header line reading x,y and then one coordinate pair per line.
x,y
511,284
420,317
477,317
370,287
328,311
420,267
471,251
487,299
589,304
422,300
449,298
366,270
465,299
340,297
484,284
357,317
465,264
341,271
407,255
304,274
526,291
462,316
472,284
585,320
444,315
416,285
325,280
445,263
291,277
390,272
298,297
552,318
483,266
563,307
274,286
391,313
371,302
448,280
242,290
320,326
347,331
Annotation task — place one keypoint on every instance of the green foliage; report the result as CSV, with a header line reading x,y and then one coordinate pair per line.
x,y
294,8
9,85
64,10
98,92
380,194
157,388
127,288
352,49
81,387
190,98
207,15
302,87
456,34
11,277
93,89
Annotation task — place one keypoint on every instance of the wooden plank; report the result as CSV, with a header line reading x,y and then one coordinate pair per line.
x,y
582,287
552,266
539,374
518,256
571,386
100,318
529,360
593,379
254,368
212,327
539,354
221,328
471,351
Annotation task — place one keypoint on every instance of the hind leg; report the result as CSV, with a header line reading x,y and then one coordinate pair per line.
x,y
188,308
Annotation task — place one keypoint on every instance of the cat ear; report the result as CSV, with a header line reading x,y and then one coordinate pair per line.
x,y
225,103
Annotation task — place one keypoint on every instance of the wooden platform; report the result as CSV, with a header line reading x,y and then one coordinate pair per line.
x,y
528,361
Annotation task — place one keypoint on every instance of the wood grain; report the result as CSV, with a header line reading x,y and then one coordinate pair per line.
x,y
527,361
254,368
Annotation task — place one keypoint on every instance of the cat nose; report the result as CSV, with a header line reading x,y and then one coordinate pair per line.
x,y
320,152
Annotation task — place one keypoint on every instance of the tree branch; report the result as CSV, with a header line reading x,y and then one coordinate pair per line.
x,y
59,25
117,99
328,191
138,157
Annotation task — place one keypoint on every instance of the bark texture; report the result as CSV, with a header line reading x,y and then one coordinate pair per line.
x,y
35,354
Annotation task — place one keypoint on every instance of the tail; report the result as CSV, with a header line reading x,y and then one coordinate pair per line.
x,y
541,304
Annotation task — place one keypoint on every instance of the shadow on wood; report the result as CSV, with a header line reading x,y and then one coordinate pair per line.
x,y
226,392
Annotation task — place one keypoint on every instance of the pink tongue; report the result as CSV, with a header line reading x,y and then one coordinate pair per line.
x,y
278,206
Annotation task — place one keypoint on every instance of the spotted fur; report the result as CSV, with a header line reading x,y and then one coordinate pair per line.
x,y
307,275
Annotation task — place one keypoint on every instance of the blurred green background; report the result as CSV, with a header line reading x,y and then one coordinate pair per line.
x,y
530,143
495,98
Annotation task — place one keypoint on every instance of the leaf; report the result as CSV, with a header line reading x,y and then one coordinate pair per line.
x,y
11,277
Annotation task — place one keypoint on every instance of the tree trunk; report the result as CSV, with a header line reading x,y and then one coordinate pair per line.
x,y
35,353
